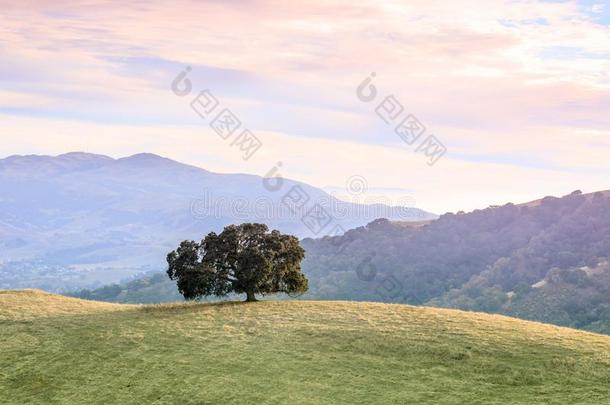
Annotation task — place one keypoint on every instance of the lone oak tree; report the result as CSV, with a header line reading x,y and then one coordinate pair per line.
x,y
244,258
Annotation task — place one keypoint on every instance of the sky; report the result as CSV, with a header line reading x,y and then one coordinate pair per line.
x,y
517,92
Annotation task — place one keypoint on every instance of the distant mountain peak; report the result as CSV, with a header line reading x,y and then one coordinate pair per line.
x,y
83,156
145,157
150,160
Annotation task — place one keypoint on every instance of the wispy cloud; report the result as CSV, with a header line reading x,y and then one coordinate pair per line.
x,y
508,85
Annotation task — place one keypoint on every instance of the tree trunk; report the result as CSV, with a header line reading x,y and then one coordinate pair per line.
x,y
251,297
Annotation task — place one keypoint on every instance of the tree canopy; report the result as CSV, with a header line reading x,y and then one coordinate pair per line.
x,y
242,259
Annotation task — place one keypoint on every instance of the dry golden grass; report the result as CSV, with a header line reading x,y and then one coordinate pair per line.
x,y
30,304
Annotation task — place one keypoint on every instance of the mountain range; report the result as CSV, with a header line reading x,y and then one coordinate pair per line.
x,y
81,220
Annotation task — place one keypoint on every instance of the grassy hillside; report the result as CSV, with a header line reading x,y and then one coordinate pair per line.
x,y
63,350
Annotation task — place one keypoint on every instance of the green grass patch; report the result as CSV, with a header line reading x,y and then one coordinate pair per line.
x,y
288,352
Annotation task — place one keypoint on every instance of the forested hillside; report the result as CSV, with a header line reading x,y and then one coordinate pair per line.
x,y
547,260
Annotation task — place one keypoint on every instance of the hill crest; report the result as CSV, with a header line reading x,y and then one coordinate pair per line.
x,y
35,303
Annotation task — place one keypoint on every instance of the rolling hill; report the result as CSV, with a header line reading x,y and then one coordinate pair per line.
x,y
547,260
64,350
82,220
